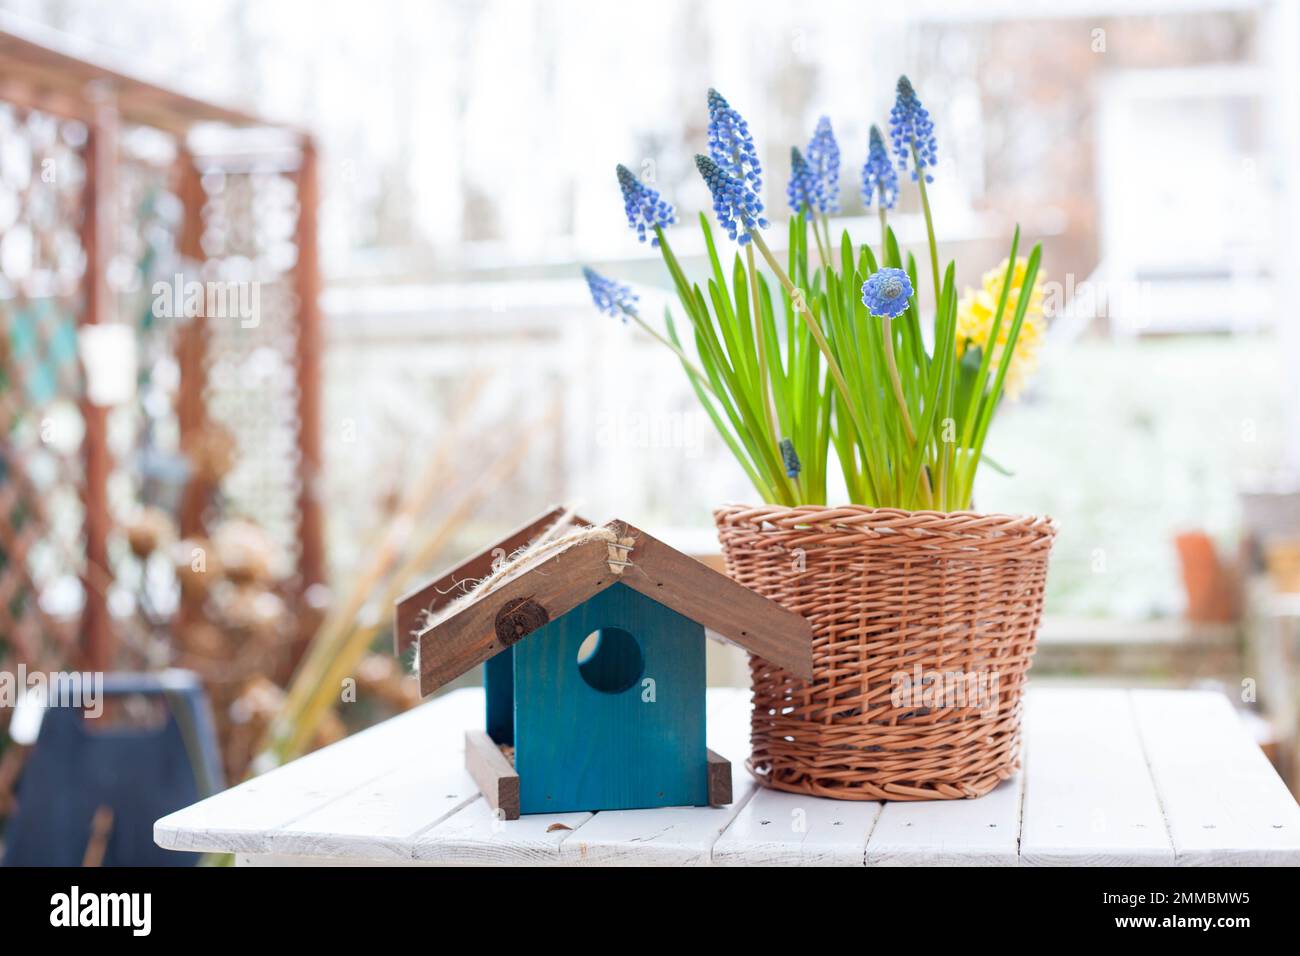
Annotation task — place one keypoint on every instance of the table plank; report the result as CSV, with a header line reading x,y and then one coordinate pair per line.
x,y
1099,764
382,819
979,832
789,829
278,859
1089,798
246,818
1224,802
663,836
479,836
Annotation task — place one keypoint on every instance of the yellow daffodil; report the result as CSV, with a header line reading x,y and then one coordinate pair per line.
x,y
977,309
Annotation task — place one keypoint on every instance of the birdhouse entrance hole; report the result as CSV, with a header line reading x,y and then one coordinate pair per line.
x,y
610,660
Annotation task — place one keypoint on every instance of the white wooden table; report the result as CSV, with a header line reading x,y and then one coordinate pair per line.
x,y
1110,777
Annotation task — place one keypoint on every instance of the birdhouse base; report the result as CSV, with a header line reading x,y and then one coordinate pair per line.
x,y
492,768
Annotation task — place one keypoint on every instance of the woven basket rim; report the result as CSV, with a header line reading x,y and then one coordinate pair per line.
x,y
864,519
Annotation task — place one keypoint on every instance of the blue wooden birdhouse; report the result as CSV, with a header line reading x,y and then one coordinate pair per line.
x,y
592,639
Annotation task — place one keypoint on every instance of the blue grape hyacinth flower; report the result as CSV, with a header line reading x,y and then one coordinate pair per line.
x,y
737,207
824,158
645,210
887,293
730,144
790,458
879,178
803,187
611,297
912,131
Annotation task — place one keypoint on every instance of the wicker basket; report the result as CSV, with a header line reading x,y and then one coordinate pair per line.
x,y
924,625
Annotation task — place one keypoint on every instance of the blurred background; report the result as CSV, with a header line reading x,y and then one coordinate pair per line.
x,y
411,188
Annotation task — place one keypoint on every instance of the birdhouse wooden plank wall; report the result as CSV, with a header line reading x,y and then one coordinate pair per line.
x,y
609,708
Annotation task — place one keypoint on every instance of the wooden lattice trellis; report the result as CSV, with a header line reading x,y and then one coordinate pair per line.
x,y
88,222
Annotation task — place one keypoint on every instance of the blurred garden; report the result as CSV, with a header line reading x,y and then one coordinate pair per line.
x,y
245,491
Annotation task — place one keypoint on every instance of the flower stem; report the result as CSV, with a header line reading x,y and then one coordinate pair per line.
x,y
822,250
764,386
929,223
894,381
691,367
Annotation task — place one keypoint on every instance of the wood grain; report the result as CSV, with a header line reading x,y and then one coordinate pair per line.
x,y
309,347
98,231
469,637
477,836
253,816
380,820
980,832
496,779
436,594
665,836
735,613
396,793
1089,799
789,829
46,61
562,582
1223,802
580,748
719,780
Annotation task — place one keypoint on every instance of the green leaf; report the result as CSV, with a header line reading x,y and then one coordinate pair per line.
x,y
1000,469
763,376
706,401
990,402
980,386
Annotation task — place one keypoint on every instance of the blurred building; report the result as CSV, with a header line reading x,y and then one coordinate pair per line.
x,y
468,153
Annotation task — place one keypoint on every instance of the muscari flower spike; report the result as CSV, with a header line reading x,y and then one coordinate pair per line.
x,y
879,179
887,292
611,297
730,144
802,190
645,210
737,207
789,458
912,131
824,158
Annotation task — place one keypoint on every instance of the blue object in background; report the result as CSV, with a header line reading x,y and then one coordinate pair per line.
x,y
139,773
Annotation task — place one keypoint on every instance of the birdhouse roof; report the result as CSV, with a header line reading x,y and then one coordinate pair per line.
x,y
457,630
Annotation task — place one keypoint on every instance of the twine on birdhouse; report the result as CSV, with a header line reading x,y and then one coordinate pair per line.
x,y
554,540
618,549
